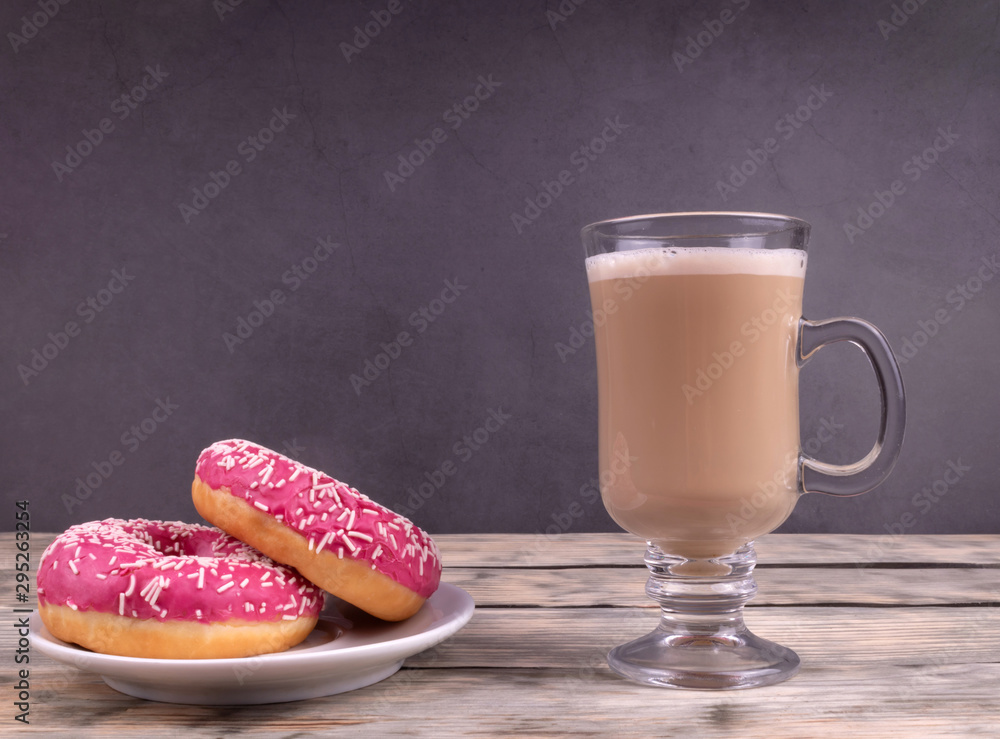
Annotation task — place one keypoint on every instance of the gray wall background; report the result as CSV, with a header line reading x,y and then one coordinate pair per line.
x,y
892,76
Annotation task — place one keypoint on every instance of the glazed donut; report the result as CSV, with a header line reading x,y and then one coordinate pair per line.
x,y
170,590
338,538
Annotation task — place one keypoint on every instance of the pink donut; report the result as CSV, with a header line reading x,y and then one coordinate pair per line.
x,y
338,538
170,590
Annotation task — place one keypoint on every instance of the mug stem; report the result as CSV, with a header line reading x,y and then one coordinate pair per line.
x,y
702,641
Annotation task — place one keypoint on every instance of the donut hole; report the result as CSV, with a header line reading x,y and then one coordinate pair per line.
x,y
192,541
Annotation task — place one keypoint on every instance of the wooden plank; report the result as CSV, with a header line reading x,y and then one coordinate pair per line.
x,y
624,586
821,701
620,549
624,550
500,638
777,586
575,637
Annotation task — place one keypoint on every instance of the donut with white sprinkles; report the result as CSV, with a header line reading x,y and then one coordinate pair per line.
x,y
338,538
170,590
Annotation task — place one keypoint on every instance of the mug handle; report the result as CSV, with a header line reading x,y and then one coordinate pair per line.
x,y
867,473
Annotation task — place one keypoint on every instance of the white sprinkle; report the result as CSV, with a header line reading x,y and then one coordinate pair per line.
x,y
267,584
197,612
256,461
286,617
350,521
359,535
266,474
254,485
281,484
100,576
323,517
350,545
266,575
378,551
260,505
112,560
228,576
72,566
201,578
131,586
225,587
247,607
369,511
295,474
322,542
342,515
244,583
340,552
121,604
310,543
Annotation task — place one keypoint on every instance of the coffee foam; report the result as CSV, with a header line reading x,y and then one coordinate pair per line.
x,y
704,260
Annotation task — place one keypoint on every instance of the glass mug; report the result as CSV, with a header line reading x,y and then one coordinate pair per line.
x,y
699,338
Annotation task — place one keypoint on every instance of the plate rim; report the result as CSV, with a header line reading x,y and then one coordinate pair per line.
x,y
455,618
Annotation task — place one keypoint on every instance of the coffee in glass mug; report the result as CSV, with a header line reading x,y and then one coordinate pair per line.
x,y
697,373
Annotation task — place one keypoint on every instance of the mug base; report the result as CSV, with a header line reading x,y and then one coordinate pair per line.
x,y
704,661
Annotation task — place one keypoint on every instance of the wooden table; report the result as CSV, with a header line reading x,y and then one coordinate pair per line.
x,y
907,644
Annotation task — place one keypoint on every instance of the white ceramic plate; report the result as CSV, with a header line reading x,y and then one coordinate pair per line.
x,y
324,664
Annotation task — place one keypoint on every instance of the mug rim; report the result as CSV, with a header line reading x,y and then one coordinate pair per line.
x,y
789,222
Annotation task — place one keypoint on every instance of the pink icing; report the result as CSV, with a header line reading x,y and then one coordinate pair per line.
x,y
329,514
170,571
